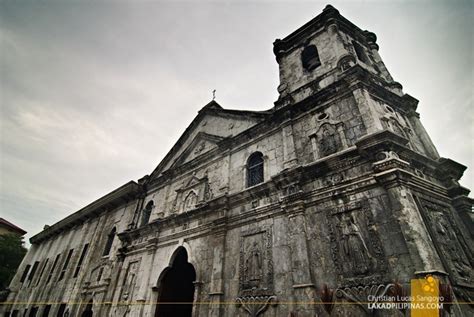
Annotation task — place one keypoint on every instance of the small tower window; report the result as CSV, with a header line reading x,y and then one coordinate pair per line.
x,y
310,57
360,51
255,169
146,213
110,241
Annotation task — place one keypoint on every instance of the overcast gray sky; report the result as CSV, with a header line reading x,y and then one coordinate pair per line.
x,y
94,94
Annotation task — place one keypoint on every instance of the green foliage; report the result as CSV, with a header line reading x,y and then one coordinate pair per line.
x,y
12,252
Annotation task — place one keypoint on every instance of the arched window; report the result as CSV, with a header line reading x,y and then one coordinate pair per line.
x,y
255,169
146,213
110,241
310,57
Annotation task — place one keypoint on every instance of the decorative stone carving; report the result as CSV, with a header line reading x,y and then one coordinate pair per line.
x,y
386,160
386,155
355,246
361,294
329,137
291,192
194,192
333,179
190,201
253,266
329,140
256,305
256,265
391,121
129,281
198,150
453,249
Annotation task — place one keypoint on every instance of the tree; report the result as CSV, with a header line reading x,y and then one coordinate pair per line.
x,y
12,252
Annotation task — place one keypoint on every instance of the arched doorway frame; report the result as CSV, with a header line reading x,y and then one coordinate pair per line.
x,y
173,253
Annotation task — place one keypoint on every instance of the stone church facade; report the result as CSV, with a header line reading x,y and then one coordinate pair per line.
x,y
334,195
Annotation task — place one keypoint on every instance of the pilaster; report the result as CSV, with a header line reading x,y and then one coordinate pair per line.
x,y
216,293
289,151
303,287
370,116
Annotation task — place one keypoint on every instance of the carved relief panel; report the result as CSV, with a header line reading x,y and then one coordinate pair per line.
x,y
394,122
129,281
191,194
329,137
355,245
449,241
256,264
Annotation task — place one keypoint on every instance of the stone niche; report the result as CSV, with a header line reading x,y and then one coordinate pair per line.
x,y
449,242
329,136
256,265
192,194
355,245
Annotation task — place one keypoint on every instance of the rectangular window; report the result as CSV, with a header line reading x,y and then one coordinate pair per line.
x,y
25,273
32,273
81,259
51,272
42,271
66,263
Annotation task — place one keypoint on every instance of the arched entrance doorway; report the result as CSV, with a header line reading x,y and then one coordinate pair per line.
x,y
176,287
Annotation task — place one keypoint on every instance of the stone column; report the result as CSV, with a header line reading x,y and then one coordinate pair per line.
x,y
216,293
289,151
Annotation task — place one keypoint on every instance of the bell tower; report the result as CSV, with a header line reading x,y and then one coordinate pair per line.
x,y
318,53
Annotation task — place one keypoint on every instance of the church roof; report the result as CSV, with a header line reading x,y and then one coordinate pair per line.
x,y
111,200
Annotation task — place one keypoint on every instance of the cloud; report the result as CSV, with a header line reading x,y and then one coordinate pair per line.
x,y
94,94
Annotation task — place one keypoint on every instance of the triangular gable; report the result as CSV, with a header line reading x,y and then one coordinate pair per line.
x,y
202,143
212,121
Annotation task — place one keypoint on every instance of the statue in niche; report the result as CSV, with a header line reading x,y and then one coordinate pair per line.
x,y
354,247
449,240
329,140
253,266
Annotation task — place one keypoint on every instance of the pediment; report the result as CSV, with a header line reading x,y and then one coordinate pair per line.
x,y
201,144
209,127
